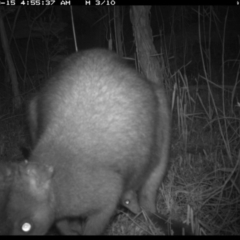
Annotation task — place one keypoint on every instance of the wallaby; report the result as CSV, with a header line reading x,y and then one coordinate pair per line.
x,y
100,131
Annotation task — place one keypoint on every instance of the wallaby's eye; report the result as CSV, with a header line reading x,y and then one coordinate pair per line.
x,y
26,227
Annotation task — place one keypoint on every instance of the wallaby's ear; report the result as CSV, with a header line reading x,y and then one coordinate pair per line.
x,y
6,174
38,178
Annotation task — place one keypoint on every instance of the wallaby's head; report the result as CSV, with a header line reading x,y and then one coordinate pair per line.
x,y
28,203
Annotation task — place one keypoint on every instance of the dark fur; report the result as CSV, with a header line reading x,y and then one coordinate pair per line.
x,y
99,130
